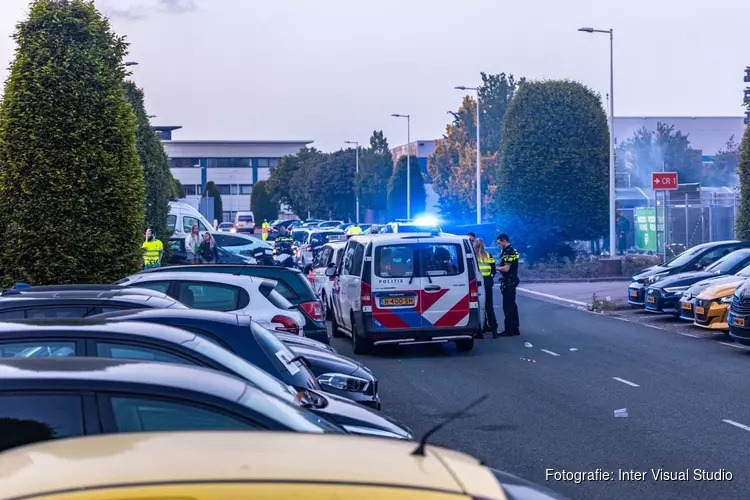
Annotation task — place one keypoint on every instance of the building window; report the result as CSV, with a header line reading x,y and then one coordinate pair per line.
x,y
229,163
267,162
246,188
184,162
192,189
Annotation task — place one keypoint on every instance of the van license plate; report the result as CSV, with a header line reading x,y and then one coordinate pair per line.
x,y
634,293
687,306
738,321
700,310
651,300
398,301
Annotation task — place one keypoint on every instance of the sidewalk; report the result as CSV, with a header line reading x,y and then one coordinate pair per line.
x,y
579,293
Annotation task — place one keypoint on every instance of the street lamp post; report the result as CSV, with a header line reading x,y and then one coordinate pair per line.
x,y
356,145
479,159
408,162
612,206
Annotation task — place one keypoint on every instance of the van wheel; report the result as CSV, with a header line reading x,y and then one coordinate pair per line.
x,y
327,313
360,345
465,345
335,330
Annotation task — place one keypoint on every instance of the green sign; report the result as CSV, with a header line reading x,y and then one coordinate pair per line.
x,y
645,229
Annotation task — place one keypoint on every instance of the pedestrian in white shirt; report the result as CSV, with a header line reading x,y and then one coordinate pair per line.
x,y
192,245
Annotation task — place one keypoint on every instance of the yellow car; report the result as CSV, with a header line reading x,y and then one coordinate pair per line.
x,y
712,305
249,465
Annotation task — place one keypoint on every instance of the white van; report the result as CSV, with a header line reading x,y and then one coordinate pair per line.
x,y
406,288
244,222
182,217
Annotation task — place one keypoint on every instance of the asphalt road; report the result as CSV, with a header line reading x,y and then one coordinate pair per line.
x,y
552,405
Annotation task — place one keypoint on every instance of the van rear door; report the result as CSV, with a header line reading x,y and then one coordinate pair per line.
x,y
445,284
396,286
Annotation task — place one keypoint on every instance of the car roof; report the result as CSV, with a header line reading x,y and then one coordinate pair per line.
x,y
169,375
238,267
40,327
94,291
186,314
227,279
85,301
126,459
396,238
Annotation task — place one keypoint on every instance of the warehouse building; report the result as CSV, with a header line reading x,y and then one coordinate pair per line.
x,y
234,166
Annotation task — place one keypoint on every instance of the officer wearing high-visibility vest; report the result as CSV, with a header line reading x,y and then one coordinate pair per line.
x,y
488,270
265,229
508,285
354,229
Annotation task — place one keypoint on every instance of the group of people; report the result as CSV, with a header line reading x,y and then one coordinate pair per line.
x,y
509,281
199,249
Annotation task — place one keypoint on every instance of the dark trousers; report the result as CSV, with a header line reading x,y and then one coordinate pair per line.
x,y
489,304
510,309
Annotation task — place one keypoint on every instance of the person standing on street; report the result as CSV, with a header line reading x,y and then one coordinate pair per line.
x,y
207,249
265,229
488,270
153,251
354,229
192,245
508,284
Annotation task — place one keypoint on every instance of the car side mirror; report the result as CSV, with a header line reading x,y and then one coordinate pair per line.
x,y
331,271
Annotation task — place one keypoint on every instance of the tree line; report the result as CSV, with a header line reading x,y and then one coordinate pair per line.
x,y
82,173
325,185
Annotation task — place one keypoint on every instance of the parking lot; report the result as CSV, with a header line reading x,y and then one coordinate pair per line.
x,y
555,392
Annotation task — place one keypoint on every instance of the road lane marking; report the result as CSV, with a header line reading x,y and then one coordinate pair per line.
x,y
555,297
737,424
730,344
626,382
549,352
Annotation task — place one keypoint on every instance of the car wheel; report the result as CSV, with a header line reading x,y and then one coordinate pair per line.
x,y
335,330
359,345
465,345
328,308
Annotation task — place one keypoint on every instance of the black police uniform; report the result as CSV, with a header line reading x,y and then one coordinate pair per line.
x,y
283,244
508,284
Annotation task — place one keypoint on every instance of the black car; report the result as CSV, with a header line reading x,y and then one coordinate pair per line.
x,y
78,301
159,343
59,397
178,255
665,294
739,315
336,374
292,285
694,259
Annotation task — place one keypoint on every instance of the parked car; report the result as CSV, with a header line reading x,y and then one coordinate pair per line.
x,y
739,315
251,465
712,305
695,259
337,374
57,397
245,295
313,242
182,217
330,224
291,284
78,301
178,255
191,345
329,256
687,301
226,227
244,222
665,294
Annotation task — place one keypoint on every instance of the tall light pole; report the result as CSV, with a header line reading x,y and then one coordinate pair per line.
x,y
479,159
408,162
356,145
612,206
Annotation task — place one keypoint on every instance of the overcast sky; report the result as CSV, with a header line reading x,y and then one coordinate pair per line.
x,y
335,70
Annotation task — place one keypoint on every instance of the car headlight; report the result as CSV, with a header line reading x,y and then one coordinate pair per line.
x,y
370,431
656,277
676,289
727,299
687,296
344,382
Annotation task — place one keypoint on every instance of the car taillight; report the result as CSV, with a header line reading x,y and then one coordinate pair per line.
x,y
309,248
285,324
311,277
366,294
313,309
473,291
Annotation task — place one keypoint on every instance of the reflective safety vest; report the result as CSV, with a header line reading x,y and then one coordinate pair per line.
x,y
266,227
354,230
485,266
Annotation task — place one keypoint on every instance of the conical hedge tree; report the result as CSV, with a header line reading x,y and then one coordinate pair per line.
x,y
71,185
397,189
156,174
743,171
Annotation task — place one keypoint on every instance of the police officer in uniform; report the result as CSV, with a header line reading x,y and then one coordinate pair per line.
x,y
283,242
508,284
354,229
488,270
265,229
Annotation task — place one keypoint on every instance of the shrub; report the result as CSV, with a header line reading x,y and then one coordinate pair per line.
x,y
212,191
71,185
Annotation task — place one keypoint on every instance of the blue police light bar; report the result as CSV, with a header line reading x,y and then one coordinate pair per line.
x,y
427,221
747,74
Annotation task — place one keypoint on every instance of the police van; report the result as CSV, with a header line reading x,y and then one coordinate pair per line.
x,y
406,288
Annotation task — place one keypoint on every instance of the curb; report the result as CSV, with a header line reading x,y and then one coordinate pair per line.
x,y
576,280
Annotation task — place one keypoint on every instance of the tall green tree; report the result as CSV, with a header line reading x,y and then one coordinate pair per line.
x,y
397,199
211,190
261,203
156,173
723,170
178,190
553,182
71,184
375,171
742,224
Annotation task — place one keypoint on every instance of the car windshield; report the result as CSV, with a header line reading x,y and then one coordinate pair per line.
x,y
685,257
317,239
242,368
245,218
744,272
728,263
299,236
281,356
